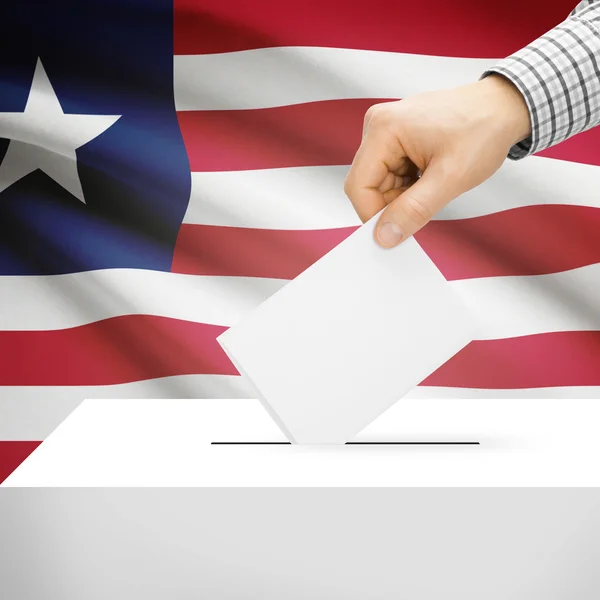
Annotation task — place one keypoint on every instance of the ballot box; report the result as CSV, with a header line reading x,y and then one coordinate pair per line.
x,y
233,443
208,499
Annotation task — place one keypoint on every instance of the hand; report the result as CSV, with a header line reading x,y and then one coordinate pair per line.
x,y
420,153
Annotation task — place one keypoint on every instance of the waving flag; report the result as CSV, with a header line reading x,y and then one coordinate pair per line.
x,y
165,168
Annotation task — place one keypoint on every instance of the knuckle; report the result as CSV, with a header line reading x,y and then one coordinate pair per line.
x,y
376,114
371,111
348,187
353,193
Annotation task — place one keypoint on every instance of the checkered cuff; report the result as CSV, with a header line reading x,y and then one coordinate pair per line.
x,y
559,77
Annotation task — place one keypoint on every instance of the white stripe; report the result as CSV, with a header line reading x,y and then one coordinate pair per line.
x,y
532,182
508,307
32,413
63,301
505,306
314,198
270,77
291,198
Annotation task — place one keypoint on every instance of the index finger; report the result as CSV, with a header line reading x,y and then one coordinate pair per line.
x,y
374,159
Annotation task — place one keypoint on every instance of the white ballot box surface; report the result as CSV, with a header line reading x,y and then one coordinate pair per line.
x,y
356,331
234,443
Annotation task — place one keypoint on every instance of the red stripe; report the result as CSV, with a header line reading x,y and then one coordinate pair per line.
x,y
532,240
309,134
469,28
236,251
569,358
12,454
581,148
314,133
86,356
117,350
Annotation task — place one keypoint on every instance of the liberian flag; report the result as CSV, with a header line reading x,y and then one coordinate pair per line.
x,y
166,168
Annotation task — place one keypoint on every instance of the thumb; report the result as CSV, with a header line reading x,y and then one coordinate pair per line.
x,y
416,206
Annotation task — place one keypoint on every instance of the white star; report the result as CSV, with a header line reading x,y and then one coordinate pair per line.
x,y
44,137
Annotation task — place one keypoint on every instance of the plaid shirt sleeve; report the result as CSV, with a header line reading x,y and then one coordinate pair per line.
x,y
559,77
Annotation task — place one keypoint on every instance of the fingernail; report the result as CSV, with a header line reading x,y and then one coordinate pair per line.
x,y
389,234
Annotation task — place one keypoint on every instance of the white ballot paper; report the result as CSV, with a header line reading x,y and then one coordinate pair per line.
x,y
356,331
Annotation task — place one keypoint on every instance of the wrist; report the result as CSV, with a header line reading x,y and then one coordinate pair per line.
x,y
508,109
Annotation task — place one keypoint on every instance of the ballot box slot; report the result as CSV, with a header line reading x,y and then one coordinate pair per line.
x,y
351,443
